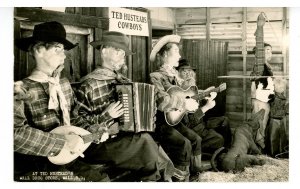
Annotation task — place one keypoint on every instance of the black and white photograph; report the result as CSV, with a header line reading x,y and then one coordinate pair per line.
x,y
151,94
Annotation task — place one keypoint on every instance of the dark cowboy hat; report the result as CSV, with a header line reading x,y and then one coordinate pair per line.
x,y
114,39
183,64
46,32
161,42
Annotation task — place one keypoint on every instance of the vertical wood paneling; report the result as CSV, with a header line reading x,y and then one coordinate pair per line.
x,y
139,60
210,60
17,53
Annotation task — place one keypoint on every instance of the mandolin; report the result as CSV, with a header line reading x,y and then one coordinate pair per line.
x,y
174,116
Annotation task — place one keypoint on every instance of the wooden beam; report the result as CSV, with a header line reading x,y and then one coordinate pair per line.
x,y
149,47
244,52
40,15
284,41
208,23
90,54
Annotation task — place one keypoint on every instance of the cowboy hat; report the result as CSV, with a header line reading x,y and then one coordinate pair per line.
x,y
183,64
46,32
114,39
161,42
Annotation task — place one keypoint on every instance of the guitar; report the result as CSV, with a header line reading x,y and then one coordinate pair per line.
x,y
66,156
262,94
174,116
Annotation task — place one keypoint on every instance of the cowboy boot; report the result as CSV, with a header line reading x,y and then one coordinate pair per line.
x,y
181,173
196,163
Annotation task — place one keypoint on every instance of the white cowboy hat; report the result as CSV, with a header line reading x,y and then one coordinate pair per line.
x,y
161,42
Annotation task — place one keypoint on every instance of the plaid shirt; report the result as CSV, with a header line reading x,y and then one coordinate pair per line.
x,y
93,97
33,120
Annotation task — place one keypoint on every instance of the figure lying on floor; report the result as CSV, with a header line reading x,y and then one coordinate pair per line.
x,y
241,153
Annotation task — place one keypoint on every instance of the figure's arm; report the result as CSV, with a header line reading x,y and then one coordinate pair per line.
x,y
165,102
32,141
196,117
84,114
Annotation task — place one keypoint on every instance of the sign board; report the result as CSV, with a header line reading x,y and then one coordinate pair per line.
x,y
129,22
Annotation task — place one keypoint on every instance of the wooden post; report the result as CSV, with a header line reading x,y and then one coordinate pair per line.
x,y
149,48
284,48
208,23
90,55
244,52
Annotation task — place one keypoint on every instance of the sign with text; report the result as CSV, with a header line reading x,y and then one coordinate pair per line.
x,y
129,22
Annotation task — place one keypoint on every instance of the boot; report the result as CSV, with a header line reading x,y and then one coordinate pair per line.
x,y
181,173
196,164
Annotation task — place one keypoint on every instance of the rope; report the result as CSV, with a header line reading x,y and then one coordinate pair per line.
x,y
265,15
286,151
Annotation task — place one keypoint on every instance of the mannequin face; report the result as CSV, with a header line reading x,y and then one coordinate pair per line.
x,y
268,53
114,58
48,59
186,73
172,56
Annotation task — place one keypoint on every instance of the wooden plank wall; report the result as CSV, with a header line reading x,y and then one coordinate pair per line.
x,y
138,67
226,24
162,17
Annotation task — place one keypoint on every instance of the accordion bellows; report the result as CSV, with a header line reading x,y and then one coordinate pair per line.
x,y
139,105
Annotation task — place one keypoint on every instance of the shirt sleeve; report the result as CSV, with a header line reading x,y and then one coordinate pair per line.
x,y
32,141
84,114
165,102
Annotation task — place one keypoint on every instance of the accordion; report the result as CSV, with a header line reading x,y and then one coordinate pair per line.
x,y
139,107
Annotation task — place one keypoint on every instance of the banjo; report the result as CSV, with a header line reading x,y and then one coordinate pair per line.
x,y
65,155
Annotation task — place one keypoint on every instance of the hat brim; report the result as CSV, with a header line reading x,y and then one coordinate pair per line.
x,y
24,43
186,67
97,45
161,42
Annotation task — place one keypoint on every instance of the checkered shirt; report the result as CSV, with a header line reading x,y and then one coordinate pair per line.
x,y
33,120
93,97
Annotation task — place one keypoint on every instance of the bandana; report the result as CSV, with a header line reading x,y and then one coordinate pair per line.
x,y
56,96
105,74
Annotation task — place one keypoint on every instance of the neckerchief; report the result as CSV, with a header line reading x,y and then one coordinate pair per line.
x,y
56,96
105,74
171,72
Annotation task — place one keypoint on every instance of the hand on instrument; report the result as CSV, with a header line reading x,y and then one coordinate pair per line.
x,y
213,95
209,104
115,109
209,88
191,104
73,142
112,128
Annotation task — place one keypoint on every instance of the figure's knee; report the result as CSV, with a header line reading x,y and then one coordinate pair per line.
x,y
186,144
219,141
146,137
225,122
198,139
